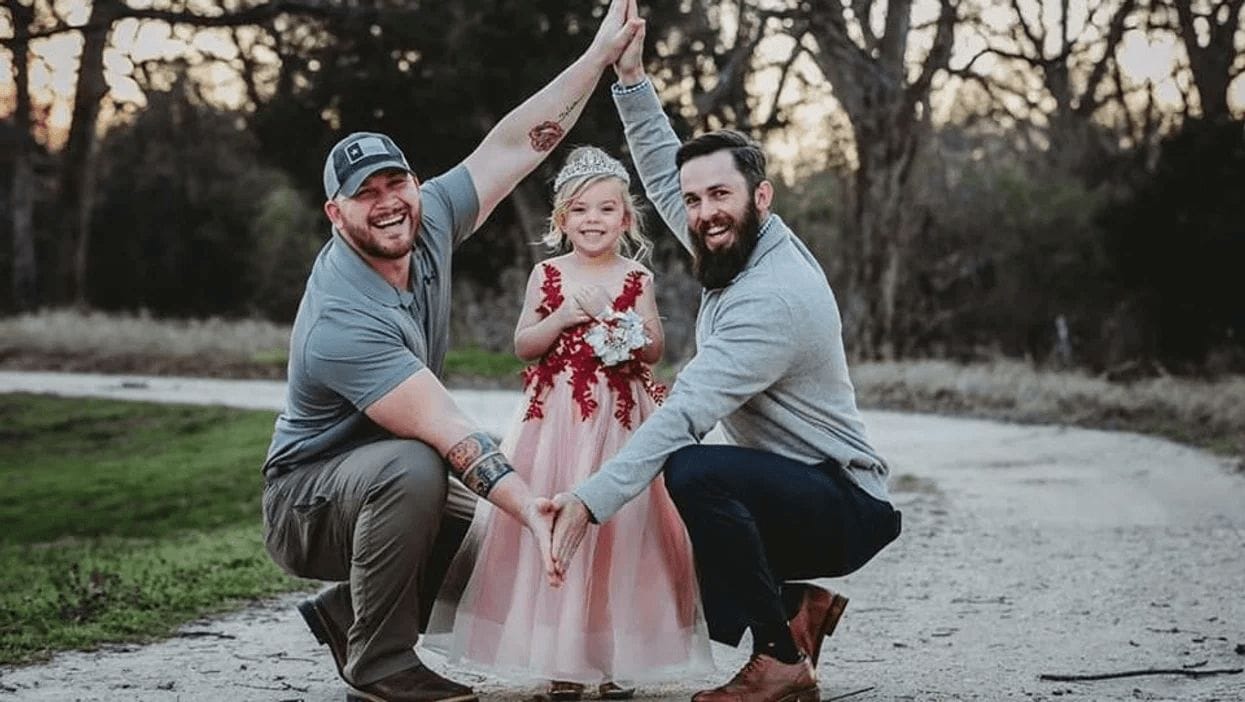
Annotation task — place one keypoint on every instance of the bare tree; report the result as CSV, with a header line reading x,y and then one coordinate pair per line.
x,y
77,185
886,99
1074,59
1209,30
884,94
22,198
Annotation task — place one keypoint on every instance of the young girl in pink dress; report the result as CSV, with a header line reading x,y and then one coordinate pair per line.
x,y
628,609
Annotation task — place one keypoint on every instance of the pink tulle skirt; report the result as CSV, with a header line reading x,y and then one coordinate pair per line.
x,y
629,609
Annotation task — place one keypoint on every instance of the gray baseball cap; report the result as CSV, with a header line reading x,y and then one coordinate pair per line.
x,y
355,158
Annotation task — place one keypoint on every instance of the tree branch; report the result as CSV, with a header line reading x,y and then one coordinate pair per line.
x,y
1088,103
939,54
1034,39
895,37
731,76
863,9
796,51
1151,671
256,15
990,86
1129,123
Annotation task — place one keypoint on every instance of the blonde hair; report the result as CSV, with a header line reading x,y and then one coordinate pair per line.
x,y
633,242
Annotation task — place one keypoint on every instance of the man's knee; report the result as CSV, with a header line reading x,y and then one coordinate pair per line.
x,y
685,471
415,477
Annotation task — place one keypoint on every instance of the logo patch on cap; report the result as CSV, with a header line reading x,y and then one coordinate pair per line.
x,y
367,146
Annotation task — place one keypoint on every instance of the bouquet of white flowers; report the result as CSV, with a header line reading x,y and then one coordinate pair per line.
x,y
615,335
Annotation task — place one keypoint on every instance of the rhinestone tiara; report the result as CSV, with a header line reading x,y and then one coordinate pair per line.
x,y
590,162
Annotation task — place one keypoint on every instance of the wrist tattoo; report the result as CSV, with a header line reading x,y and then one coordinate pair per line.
x,y
546,135
484,474
466,452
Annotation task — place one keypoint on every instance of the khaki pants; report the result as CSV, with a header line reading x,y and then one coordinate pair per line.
x,y
377,524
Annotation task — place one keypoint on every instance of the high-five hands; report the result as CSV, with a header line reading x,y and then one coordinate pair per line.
x,y
630,64
618,27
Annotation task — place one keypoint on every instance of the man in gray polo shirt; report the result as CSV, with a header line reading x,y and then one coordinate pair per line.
x,y
800,492
356,476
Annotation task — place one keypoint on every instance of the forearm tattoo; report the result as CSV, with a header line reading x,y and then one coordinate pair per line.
x,y
482,476
469,450
546,135
478,462
569,108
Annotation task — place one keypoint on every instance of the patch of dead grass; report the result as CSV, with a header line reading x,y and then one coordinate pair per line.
x,y
74,332
1208,413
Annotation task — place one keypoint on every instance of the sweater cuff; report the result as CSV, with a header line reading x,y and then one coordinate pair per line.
x,y
620,89
601,506
636,100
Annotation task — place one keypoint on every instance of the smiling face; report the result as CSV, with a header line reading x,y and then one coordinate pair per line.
x,y
595,217
717,197
723,215
382,218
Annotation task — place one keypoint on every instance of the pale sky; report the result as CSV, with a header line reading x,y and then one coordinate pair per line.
x,y
52,78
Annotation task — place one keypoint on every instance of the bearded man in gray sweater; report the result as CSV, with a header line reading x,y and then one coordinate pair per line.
x,y
799,492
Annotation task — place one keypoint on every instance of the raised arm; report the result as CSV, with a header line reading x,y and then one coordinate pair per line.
x,y
650,138
525,136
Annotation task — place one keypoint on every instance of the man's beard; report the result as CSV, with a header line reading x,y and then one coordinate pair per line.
x,y
716,269
388,249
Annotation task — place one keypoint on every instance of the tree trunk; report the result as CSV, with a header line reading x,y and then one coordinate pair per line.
x,y
885,150
1212,64
25,279
77,187
532,212
889,115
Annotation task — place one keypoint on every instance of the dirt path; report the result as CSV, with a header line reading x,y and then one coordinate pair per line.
x,y
1026,550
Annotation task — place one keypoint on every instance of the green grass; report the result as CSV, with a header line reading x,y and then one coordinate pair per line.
x,y
479,363
123,520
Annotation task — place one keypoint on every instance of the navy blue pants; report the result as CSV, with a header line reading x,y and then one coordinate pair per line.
x,y
757,520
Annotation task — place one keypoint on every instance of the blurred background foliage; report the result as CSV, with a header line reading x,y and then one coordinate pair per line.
x,y
984,179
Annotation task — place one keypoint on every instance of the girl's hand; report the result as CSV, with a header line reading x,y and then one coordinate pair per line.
x,y
570,314
593,300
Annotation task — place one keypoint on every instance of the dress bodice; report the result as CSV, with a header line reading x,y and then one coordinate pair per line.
x,y
573,355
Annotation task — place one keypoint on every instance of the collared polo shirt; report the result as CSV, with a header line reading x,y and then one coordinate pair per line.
x,y
356,337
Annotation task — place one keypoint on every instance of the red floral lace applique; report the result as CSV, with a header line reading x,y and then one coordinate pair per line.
x,y
551,291
570,350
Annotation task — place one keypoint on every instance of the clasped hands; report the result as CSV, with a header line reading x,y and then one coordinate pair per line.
x,y
559,525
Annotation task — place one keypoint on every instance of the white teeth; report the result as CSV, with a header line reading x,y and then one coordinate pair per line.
x,y
390,221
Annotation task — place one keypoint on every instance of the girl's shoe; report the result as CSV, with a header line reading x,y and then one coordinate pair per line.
x,y
614,691
563,691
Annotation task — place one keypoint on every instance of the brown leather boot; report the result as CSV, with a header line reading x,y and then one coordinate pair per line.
x,y
326,631
418,684
818,615
766,679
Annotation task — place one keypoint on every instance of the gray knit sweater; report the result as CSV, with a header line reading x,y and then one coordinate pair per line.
x,y
769,366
